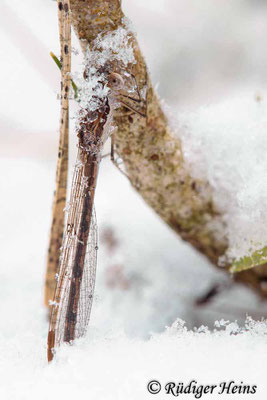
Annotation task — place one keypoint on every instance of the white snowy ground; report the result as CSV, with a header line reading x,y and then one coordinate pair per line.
x,y
150,278
115,360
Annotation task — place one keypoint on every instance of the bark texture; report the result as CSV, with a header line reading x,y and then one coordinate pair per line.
x,y
152,155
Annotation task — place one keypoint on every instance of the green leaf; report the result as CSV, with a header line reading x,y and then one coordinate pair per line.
x,y
56,60
259,257
74,86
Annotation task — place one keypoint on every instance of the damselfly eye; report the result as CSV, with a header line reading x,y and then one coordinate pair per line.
x,y
85,74
115,81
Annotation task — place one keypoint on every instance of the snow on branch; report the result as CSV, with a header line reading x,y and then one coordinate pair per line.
x,y
191,200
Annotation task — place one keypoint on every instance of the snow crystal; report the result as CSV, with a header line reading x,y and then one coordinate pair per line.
x,y
90,90
92,84
114,45
53,303
226,144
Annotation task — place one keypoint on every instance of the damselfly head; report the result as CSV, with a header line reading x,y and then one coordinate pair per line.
x,y
115,81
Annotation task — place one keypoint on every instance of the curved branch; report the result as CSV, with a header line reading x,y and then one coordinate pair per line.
x,y
152,155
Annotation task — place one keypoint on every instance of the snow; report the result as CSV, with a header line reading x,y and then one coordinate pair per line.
x,y
115,45
117,367
120,353
147,277
226,143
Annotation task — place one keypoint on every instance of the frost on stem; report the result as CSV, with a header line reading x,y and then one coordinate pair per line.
x,y
112,46
109,53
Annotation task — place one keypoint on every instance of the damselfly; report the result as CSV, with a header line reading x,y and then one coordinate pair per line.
x,y
76,277
73,298
111,87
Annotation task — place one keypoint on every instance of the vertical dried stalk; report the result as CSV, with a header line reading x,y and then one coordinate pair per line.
x,y
59,203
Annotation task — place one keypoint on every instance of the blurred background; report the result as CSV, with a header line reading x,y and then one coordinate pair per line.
x,y
198,53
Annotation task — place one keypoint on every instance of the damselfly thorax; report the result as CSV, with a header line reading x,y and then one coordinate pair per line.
x,y
124,90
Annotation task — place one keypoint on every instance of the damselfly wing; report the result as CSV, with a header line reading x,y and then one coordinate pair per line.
x,y
76,277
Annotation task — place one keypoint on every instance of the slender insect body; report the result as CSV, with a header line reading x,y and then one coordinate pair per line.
x,y
110,88
75,284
